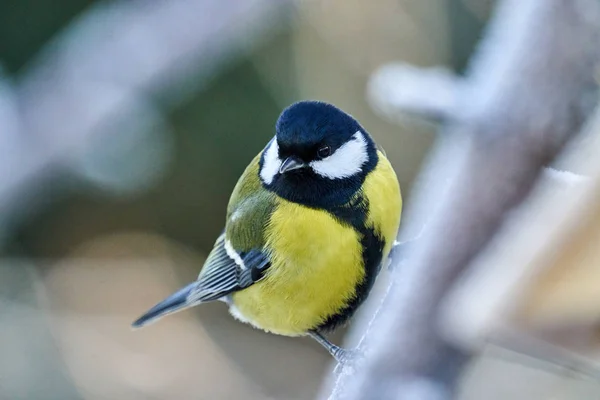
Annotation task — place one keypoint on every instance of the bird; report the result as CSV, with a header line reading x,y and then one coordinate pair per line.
x,y
308,226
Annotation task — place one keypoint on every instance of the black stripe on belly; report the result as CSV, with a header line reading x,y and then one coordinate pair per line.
x,y
355,215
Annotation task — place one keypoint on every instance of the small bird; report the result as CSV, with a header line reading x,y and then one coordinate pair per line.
x,y
308,226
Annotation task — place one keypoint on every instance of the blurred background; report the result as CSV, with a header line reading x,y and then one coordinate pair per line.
x,y
124,126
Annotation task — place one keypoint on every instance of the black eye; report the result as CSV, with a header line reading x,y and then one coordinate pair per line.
x,y
324,151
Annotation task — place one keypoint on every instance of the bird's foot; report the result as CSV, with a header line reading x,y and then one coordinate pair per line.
x,y
346,359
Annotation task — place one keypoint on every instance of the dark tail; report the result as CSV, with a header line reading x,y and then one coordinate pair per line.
x,y
175,302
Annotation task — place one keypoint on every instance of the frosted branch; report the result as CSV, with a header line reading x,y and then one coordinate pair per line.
x,y
396,90
528,90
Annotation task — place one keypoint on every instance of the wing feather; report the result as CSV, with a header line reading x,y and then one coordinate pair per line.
x,y
237,259
225,273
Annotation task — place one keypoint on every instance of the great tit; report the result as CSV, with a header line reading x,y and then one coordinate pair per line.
x,y
308,226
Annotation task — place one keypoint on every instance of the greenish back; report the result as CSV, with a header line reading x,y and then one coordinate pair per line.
x,y
249,210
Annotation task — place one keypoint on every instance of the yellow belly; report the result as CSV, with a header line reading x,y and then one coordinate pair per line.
x,y
316,265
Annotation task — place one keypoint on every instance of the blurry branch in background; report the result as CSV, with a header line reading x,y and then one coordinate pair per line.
x,y
94,83
537,285
528,90
398,90
91,105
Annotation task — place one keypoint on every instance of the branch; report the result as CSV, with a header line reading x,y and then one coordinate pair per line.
x,y
397,90
107,65
525,95
518,306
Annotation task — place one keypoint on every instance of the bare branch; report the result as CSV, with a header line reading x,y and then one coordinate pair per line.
x,y
105,66
529,89
399,89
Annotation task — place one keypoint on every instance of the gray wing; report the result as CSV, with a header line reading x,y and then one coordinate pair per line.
x,y
226,271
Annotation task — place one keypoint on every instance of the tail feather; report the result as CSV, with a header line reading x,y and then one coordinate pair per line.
x,y
175,302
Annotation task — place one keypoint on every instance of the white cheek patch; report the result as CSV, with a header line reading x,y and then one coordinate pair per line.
x,y
271,163
346,161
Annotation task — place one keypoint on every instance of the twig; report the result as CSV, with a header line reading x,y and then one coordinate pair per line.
x,y
526,93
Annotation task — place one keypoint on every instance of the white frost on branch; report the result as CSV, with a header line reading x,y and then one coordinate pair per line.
x,y
565,179
398,89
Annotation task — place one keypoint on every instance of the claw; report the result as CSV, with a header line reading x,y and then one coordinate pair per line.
x,y
346,359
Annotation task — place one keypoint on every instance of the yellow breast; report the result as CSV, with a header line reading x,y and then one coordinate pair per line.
x,y
316,265
316,261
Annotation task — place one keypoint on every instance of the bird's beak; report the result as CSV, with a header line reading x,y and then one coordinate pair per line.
x,y
290,164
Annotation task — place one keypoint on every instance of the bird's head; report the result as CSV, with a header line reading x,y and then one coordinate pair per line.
x,y
319,156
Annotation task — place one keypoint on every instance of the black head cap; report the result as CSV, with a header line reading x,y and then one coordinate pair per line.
x,y
320,156
304,127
